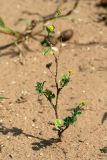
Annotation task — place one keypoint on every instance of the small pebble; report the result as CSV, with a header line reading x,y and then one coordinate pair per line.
x,y
41,154
24,93
55,49
28,155
66,35
36,127
15,60
18,6
88,48
8,137
2,91
25,118
7,63
1,120
33,124
63,44
45,72
13,82
35,59
29,137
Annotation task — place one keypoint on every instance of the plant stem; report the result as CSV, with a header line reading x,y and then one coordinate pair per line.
x,y
60,132
57,88
50,102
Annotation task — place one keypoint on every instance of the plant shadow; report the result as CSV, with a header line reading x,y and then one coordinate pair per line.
x,y
104,117
14,131
43,143
100,4
102,17
103,150
11,53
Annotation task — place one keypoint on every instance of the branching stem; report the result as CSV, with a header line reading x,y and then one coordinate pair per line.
x,y
60,132
57,87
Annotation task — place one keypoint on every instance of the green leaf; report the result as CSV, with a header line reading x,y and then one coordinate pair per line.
x,y
74,114
8,31
83,103
50,29
77,110
64,80
5,29
47,51
1,98
39,87
25,21
45,43
58,123
68,120
49,94
2,24
58,13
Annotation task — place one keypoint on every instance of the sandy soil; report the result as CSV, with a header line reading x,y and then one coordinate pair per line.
x,y
25,133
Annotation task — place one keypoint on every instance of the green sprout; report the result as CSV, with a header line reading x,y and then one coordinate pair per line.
x,y
58,123
2,98
49,94
50,29
7,30
74,114
58,13
39,87
45,43
65,79
47,51
53,98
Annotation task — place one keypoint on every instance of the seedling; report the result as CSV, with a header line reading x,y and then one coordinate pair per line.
x,y
2,98
21,39
60,124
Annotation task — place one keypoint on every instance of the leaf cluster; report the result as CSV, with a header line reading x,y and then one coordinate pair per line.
x,y
1,98
46,92
69,120
65,79
5,29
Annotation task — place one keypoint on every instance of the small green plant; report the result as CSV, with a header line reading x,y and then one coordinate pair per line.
x,y
60,124
7,30
2,98
21,39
